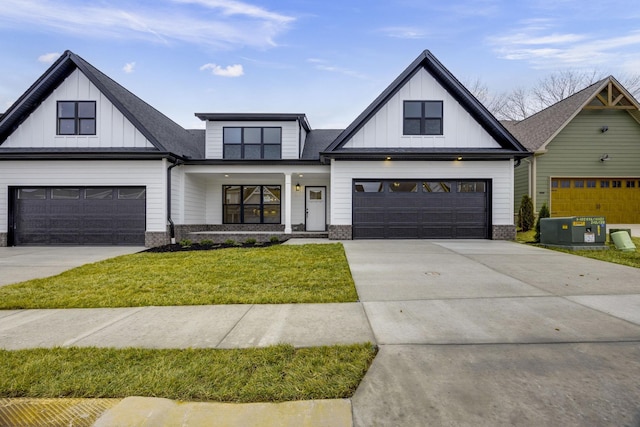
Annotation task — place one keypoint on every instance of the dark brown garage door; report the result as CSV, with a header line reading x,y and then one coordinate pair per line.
x,y
420,209
79,215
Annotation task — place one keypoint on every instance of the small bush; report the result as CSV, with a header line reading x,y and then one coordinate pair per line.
x,y
544,213
185,243
274,239
526,216
250,241
230,242
206,242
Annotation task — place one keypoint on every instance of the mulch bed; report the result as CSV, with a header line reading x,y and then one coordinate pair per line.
x,y
177,247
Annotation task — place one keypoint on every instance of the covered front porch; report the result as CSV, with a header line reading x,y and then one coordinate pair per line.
x,y
222,202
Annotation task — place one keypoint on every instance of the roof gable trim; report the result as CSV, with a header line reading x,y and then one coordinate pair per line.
x,y
431,64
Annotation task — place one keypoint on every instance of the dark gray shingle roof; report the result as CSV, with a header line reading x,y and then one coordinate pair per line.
x,y
317,141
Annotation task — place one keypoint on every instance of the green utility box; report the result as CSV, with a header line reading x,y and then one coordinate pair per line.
x,y
577,232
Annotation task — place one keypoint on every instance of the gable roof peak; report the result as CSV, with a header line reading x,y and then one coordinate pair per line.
x,y
162,132
538,130
427,61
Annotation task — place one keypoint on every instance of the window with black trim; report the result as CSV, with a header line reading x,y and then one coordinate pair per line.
x,y
252,143
251,204
76,118
422,118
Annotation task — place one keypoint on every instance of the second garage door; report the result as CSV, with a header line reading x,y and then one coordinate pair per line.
x,y
79,215
421,209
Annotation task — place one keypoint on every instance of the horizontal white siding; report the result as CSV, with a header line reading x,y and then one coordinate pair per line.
x,y
384,129
150,174
112,128
500,172
290,137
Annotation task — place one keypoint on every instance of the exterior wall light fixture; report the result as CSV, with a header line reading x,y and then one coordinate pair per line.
x,y
298,186
603,129
604,157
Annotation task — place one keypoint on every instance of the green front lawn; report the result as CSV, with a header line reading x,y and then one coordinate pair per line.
x,y
271,374
316,273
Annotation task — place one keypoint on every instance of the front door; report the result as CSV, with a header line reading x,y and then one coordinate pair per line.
x,y
316,208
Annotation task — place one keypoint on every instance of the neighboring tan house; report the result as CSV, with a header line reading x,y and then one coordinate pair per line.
x,y
84,161
586,155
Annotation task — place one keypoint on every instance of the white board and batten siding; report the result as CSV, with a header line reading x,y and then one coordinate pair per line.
x,y
150,174
499,172
290,137
385,128
113,129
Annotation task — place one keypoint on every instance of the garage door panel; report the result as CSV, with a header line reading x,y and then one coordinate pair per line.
x,y
437,232
434,210
401,232
79,216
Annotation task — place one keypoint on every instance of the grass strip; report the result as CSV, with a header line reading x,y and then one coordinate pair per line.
x,y
613,255
272,374
272,275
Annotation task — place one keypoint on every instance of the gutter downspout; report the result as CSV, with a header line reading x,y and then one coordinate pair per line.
x,y
172,230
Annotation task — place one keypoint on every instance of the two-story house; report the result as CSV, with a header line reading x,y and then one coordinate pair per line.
x,y
84,161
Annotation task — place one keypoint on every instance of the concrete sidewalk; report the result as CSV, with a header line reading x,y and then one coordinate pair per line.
x,y
222,326
475,332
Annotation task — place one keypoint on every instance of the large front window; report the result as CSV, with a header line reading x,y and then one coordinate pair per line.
x,y
252,143
76,118
251,204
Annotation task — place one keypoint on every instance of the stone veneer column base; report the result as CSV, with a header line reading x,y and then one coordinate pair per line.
x,y
155,238
3,239
503,232
340,232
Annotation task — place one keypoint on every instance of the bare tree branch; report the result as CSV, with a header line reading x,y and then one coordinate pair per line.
x,y
520,103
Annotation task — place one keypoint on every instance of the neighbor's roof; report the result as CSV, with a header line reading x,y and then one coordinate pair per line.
x,y
536,131
426,60
163,133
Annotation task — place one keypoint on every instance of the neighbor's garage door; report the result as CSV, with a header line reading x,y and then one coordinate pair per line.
x,y
79,216
420,209
617,199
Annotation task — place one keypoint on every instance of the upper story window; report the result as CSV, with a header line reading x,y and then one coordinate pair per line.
x,y
252,143
422,118
76,117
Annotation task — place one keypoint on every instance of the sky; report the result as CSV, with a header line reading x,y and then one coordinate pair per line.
x,y
327,59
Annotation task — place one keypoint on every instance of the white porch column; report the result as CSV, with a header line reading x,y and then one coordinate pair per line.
x,y
287,203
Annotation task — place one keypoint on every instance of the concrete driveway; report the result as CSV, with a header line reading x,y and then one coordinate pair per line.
x,y
490,333
32,262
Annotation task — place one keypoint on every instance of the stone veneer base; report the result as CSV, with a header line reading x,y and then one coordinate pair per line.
x,y
3,239
155,238
340,232
503,232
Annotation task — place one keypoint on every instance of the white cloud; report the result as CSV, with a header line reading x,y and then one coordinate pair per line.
x,y
230,7
129,67
162,21
404,32
537,43
235,70
321,64
49,58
